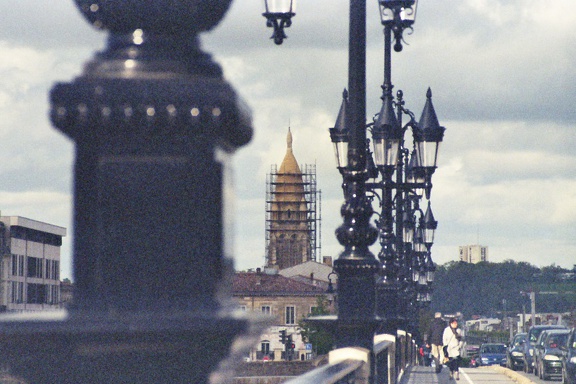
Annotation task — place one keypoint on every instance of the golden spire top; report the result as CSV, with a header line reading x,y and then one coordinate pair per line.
x,y
289,139
289,164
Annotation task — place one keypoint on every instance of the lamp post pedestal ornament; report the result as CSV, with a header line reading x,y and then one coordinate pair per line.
x,y
154,125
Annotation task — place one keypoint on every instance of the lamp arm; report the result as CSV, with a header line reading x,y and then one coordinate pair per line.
x,y
371,188
419,210
412,121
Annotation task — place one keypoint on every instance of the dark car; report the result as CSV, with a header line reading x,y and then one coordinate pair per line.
x,y
537,350
515,352
569,359
533,334
492,354
548,361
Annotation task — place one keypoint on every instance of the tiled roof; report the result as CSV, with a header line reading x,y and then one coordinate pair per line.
x,y
320,271
262,284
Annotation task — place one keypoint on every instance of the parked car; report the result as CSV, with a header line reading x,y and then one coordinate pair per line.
x,y
533,334
568,359
492,354
548,363
537,350
515,352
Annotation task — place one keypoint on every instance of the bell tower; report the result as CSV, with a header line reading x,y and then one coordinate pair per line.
x,y
291,214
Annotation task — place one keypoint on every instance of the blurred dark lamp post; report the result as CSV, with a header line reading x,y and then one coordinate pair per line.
x,y
279,15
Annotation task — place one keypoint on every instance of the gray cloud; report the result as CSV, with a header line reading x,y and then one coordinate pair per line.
x,y
503,84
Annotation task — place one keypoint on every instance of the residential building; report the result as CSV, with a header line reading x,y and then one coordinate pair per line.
x,y
473,253
30,267
285,300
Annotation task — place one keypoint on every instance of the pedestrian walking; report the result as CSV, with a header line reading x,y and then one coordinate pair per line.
x,y
452,340
427,355
435,334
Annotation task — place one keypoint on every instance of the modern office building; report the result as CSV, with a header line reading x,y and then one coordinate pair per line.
x,y
30,267
473,253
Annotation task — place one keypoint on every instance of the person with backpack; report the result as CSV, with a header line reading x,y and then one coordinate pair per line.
x,y
435,333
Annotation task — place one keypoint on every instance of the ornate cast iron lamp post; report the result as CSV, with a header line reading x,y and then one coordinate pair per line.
x,y
406,266
407,172
356,266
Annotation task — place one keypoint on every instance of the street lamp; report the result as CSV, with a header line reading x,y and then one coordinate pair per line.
x,y
428,135
429,225
339,135
361,299
356,266
386,137
406,171
278,16
398,15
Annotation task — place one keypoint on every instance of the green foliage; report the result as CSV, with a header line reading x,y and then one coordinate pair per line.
x,y
464,362
322,341
489,289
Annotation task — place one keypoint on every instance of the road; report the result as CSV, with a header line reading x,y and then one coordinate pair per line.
x,y
536,380
426,375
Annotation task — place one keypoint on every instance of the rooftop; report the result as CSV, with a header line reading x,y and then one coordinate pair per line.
x,y
262,284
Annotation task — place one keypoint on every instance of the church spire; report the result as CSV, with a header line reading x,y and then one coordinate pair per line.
x,y
289,234
289,164
289,139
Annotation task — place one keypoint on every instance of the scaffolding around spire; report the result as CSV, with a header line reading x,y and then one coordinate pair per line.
x,y
292,217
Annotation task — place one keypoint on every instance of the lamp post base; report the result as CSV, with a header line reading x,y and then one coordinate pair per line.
x,y
138,349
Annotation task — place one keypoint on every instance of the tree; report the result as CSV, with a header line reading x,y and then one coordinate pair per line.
x,y
322,341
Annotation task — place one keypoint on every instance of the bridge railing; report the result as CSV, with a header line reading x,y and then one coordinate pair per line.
x,y
385,364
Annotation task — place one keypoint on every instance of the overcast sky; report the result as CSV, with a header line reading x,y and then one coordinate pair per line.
x,y
503,81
